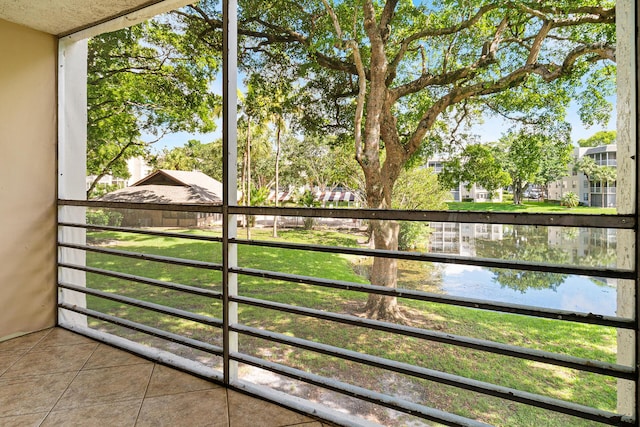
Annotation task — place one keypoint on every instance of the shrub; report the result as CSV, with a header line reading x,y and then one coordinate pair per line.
x,y
307,199
101,217
413,235
570,200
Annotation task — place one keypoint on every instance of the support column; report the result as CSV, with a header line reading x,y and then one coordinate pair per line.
x,y
72,149
627,184
230,182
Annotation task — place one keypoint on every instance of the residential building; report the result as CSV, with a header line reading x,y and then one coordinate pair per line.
x,y
138,168
590,191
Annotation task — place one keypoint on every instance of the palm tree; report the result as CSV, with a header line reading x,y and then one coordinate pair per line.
x,y
602,174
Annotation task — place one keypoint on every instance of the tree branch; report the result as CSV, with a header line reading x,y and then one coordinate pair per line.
x,y
404,45
547,72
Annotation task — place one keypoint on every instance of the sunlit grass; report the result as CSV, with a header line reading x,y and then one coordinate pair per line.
x,y
528,207
591,342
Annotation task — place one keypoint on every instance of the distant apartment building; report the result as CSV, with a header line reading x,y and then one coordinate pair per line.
x,y
138,169
591,192
475,193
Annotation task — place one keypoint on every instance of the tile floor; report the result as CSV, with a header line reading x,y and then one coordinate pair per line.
x,y
58,378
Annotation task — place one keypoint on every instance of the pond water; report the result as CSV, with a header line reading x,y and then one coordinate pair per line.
x,y
570,246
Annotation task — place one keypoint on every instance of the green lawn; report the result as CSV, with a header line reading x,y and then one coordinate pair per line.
x,y
528,207
580,340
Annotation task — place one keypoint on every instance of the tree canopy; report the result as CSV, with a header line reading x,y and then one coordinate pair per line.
x,y
146,79
476,164
518,160
604,137
397,78
534,157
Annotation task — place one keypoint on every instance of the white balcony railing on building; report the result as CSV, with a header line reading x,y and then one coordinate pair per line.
x,y
607,190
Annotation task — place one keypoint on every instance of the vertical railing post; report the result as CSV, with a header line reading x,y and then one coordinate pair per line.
x,y
230,190
627,198
636,133
71,174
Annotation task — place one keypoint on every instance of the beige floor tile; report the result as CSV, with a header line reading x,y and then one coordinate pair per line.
x,y
193,409
23,343
24,395
99,386
106,356
59,336
7,359
56,377
50,360
28,420
246,411
165,380
120,414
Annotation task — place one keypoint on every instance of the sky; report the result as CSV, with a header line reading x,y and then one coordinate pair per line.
x,y
489,131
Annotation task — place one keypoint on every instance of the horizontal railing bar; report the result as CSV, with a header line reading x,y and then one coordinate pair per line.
x,y
199,318
555,220
391,402
146,257
433,375
547,313
559,220
174,207
587,365
179,339
448,259
141,231
145,280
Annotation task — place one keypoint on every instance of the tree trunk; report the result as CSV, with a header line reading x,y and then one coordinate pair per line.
x,y
517,192
384,272
275,217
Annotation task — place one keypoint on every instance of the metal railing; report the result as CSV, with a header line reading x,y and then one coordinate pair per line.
x,y
228,328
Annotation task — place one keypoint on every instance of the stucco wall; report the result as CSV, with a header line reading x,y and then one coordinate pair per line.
x,y
27,179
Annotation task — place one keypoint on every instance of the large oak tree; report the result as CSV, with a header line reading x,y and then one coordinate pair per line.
x,y
395,75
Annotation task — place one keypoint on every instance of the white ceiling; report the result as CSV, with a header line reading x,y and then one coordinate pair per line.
x,y
62,17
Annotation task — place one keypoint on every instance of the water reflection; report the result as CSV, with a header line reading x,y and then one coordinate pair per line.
x,y
557,245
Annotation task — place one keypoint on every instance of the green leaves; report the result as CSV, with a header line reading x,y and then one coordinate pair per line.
x,y
570,200
419,189
605,137
148,79
477,164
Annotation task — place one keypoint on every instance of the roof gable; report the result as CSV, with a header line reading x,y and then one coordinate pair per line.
x,y
159,178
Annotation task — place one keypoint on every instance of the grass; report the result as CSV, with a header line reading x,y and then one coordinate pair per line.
x,y
586,341
528,207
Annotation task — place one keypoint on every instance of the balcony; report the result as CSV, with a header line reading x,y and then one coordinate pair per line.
x,y
248,317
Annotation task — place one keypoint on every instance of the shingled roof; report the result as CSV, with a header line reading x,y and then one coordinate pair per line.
x,y
168,186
